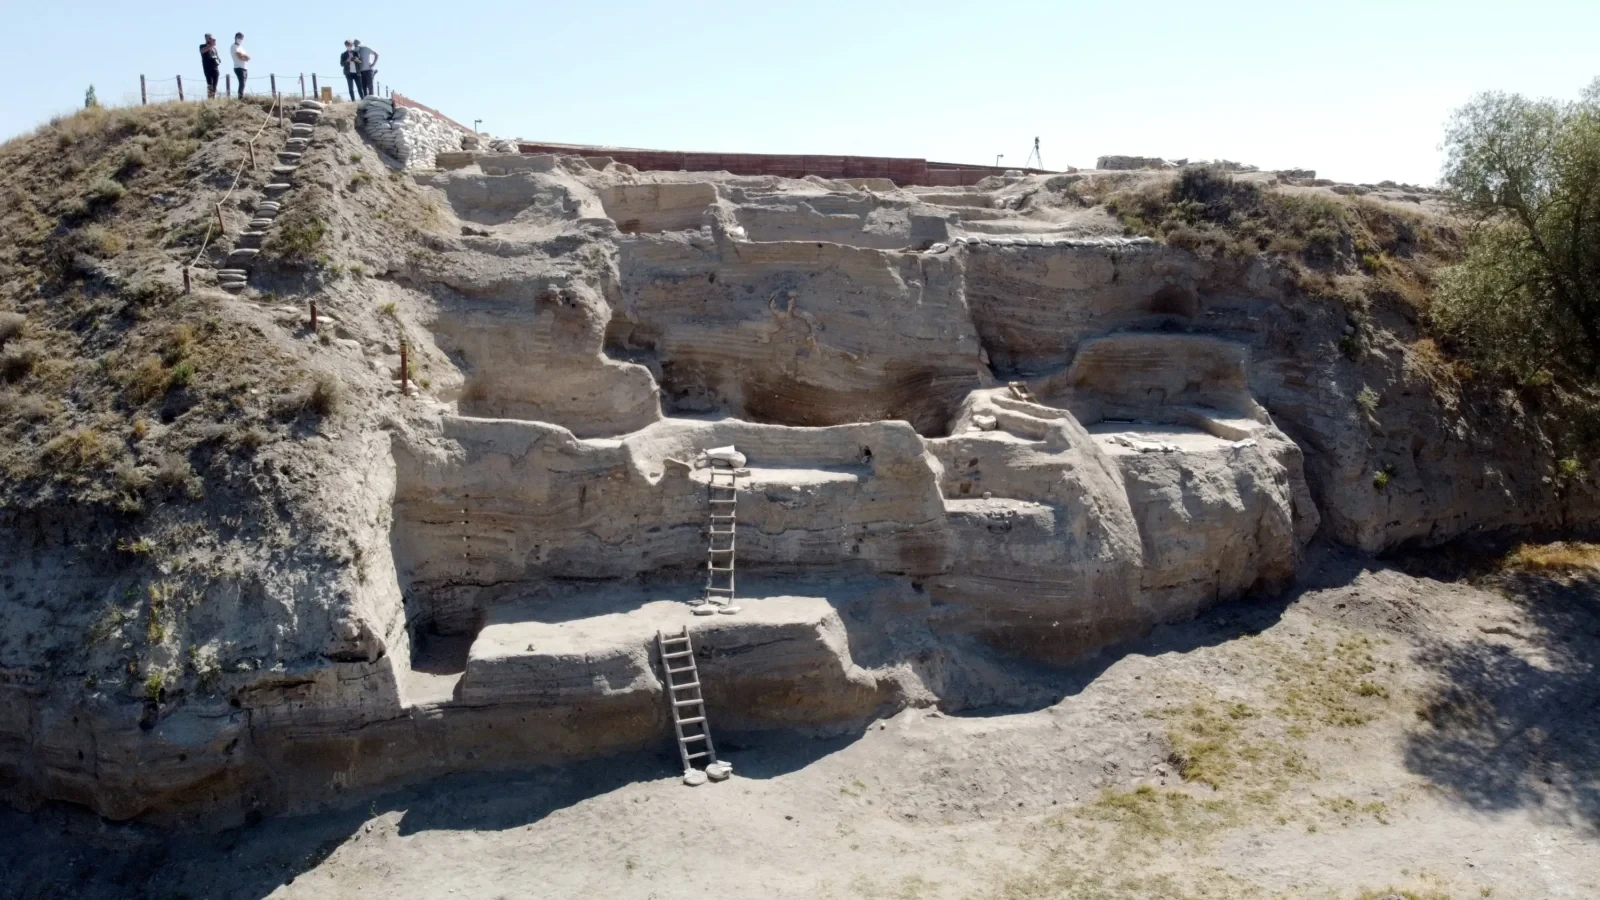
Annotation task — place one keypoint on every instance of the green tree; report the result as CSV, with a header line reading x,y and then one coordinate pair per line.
x,y
1526,296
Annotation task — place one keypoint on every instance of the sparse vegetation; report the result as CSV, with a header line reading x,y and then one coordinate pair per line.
x,y
11,326
1559,558
155,686
1367,401
1213,213
326,395
298,234
18,359
103,192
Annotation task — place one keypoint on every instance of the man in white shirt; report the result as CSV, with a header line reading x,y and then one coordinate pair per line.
x,y
241,61
368,65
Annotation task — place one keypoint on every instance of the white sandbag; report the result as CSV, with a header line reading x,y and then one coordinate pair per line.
x,y
726,455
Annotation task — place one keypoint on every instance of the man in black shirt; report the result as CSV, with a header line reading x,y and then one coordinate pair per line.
x,y
350,64
212,63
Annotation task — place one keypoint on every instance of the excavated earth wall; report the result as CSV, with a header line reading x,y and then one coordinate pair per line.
x,y
976,432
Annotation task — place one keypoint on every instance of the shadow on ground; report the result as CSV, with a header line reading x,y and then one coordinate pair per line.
x,y
62,852
1515,720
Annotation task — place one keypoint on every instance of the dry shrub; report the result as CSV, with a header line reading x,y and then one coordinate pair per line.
x,y
1558,558
326,395
131,478
178,344
99,241
1433,365
103,192
174,472
11,326
148,380
34,407
81,448
19,359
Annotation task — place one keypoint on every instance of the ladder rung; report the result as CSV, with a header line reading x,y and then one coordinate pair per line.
x,y
685,687
696,755
687,702
719,568
720,590
688,668
679,654
721,517
693,737
692,721
714,500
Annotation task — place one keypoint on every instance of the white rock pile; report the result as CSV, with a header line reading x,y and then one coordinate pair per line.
x,y
412,137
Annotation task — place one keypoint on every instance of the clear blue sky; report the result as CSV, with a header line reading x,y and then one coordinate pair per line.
x,y
1357,90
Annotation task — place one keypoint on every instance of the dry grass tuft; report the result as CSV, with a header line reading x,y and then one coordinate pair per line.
x,y
80,449
1561,557
11,326
326,396
19,359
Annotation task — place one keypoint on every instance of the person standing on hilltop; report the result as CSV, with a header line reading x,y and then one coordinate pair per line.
x,y
350,64
369,67
241,61
212,63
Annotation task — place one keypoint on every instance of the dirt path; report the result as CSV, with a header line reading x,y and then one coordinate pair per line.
x,y
1377,733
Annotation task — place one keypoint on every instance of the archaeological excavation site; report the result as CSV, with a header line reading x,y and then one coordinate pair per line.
x,y
441,455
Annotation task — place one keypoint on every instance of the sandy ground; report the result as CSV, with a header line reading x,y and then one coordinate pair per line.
x,y
1375,732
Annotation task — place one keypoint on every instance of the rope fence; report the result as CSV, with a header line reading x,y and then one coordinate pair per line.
x,y
218,226
268,84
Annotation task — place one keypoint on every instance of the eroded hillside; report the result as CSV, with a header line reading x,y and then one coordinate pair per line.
x,y
1020,421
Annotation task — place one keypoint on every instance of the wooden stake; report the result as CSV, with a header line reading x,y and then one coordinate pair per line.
x,y
180,87
227,85
405,370
313,317
144,96
220,226
314,93
302,85
186,279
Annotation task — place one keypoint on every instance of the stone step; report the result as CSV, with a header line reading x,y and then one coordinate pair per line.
x,y
300,131
283,171
287,157
296,145
260,224
227,279
278,187
266,209
223,273
243,256
311,104
233,286
307,118
248,239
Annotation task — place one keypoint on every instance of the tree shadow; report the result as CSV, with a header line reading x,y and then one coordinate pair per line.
x,y
1515,719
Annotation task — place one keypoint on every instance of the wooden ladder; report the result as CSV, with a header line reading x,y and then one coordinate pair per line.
x,y
682,679
722,485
